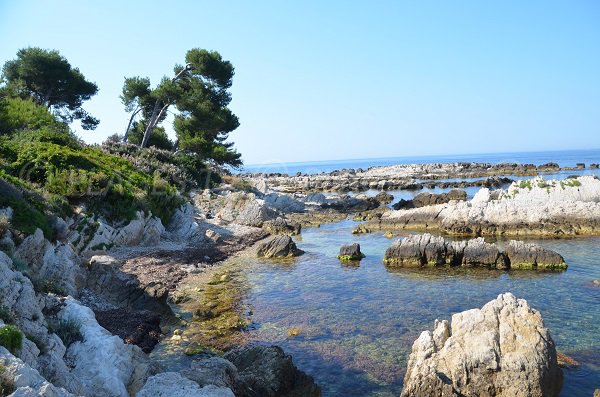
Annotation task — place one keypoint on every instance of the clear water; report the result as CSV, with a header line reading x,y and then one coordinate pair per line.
x,y
357,323
565,158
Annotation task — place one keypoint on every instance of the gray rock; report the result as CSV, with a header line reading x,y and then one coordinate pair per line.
x,y
425,249
173,384
215,371
523,255
502,349
278,247
282,226
26,381
384,197
425,199
350,252
245,209
269,372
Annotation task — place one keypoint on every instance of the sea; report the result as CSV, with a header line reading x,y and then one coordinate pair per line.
x,y
564,158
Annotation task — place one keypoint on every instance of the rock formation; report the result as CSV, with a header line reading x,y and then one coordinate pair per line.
x,y
424,199
502,349
350,253
427,250
278,247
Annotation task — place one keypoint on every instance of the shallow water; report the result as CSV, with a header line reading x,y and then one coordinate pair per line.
x,y
357,323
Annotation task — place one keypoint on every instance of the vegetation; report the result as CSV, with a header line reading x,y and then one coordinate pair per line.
x,y
69,331
11,338
198,92
47,171
50,80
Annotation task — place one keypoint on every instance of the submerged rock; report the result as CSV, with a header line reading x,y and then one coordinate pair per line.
x,y
269,372
278,247
350,253
427,250
384,197
502,349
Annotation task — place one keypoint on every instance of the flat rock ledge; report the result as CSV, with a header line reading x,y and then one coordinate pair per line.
x,y
426,250
502,349
278,247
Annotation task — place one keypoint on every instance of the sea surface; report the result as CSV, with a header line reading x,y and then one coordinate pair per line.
x,y
356,322
566,158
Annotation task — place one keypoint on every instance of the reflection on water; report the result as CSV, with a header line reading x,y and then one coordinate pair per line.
x,y
357,322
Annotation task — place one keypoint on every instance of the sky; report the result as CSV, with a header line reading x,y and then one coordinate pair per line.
x,y
324,80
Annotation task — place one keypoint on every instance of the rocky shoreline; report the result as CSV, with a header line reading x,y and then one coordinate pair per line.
x,y
91,306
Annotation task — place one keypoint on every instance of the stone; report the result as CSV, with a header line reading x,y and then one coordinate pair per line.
x,y
182,226
105,365
215,371
523,255
278,247
269,372
361,229
173,384
136,327
31,251
502,349
350,252
26,381
426,250
282,226
246,209
384,197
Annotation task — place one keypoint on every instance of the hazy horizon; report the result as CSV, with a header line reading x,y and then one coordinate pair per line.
x,y
320,81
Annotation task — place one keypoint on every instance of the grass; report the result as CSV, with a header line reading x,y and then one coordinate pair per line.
x,y
69,331
11,338
6,384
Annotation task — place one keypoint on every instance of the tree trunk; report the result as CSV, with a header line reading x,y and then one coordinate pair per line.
x,y
129,125
151,123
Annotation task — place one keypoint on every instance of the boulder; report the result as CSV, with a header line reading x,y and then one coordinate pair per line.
x,y
173,384
215,371
269,372
526,256
246,209
384,197
502,349
427,250
361,229
284,203
350,252
282,226
425,199
182,225
278,247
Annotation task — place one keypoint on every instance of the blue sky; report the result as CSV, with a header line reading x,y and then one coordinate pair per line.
x,y
319,80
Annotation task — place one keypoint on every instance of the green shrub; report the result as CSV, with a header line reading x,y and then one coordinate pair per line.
x,y
69,331
43,286
38,343
17,114
11,338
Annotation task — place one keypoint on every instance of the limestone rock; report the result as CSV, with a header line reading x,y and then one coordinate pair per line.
x,y
424,249
173,384
282,226
350,252
26,381
384,197
502,349
182,225
215,371
523,255
105,365
245,209
269,372
278,247
284,203
425,199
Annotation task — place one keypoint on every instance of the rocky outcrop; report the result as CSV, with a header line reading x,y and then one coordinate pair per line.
x,y
24,381
350,252
502,349
282,226
269,372
246,209
105,365
427,250
424,199
534,207
350,204
171,384
278,247
384,197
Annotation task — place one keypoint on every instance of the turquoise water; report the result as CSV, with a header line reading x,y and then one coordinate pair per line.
x,y
358,322
565,158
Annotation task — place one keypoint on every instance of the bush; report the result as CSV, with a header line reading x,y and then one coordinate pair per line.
x,y
158,139
11,338
69,331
